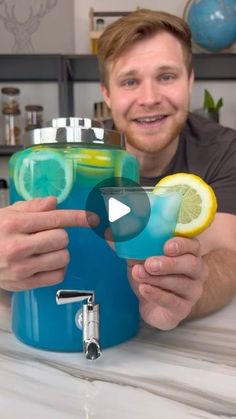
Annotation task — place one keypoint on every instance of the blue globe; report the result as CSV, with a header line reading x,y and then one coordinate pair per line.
x,y
213,23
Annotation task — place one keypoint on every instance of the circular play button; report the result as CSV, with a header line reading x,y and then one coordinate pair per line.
x,y
122,205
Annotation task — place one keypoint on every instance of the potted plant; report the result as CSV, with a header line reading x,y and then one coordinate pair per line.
x,y
211,108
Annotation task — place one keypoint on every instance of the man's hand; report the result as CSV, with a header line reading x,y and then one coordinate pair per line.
x,y
33,242
169,286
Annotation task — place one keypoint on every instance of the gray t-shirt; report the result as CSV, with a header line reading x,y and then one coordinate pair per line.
x,y
208,150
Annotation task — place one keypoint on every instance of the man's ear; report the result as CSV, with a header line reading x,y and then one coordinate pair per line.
x,y
106,96
191,81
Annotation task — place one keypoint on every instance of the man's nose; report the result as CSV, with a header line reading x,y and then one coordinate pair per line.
x,y
149,94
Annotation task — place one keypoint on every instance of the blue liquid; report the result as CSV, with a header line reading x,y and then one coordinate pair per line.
x,y
36,318
160,227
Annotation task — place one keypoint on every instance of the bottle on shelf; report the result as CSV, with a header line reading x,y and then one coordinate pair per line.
x,y
11,115
4,194
10,97
33,117
100,24
101,111
99,28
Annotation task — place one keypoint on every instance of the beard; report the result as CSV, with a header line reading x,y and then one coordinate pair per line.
x,y
154,138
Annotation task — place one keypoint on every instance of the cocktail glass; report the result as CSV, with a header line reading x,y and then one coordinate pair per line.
x,y
150,223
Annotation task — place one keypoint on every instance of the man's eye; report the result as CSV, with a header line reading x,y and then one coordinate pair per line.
x,y
129,83
167,77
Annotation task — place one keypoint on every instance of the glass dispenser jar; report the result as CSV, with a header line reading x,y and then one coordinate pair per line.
x,y
70,162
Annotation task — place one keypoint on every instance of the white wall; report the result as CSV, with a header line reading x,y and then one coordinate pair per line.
x,y
25,29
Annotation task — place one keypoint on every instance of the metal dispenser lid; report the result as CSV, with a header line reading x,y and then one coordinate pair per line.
x,y
72,135
73,122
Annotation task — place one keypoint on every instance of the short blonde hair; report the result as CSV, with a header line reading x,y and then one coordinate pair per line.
x,y
138,25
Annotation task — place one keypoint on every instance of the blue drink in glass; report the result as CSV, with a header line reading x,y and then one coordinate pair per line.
x,y
139,235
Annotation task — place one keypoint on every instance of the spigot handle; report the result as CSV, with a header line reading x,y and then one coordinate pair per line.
x,y
74,296
89,319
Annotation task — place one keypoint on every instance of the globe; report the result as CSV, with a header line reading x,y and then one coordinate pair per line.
x,y
212,22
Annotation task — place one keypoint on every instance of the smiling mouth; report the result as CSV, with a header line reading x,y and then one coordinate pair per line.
x,y
150,120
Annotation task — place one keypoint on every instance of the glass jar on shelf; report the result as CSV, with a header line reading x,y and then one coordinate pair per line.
x,y
11,115
4,197
33,117
101,111
99,28
11,126
10,98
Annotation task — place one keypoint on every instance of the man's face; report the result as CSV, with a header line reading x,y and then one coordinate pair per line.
x,y
148,92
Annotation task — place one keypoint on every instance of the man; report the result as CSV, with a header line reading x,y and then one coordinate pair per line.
x,y
146,73
145,62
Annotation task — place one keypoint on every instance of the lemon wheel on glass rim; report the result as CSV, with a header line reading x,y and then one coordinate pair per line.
x,y
44,172
198,205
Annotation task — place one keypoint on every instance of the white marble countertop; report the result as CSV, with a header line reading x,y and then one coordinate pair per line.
x,y
189,372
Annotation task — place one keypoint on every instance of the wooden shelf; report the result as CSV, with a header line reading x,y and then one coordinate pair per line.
x,y
8,150
214,66
30,67
84,68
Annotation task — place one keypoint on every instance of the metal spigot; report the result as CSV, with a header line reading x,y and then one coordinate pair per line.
x,y
87,319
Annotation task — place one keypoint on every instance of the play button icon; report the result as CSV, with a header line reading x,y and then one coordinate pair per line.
x,y
117,210
122,205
